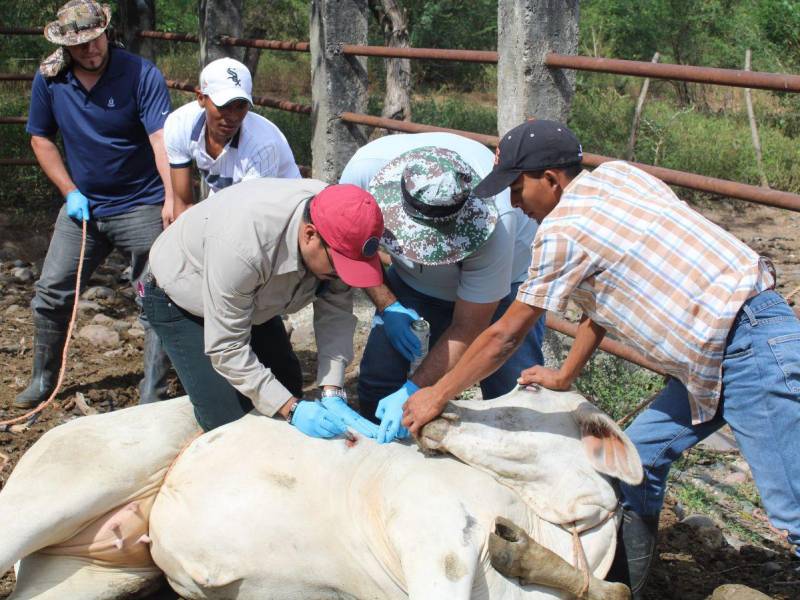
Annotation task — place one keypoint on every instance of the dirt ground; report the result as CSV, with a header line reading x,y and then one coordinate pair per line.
x,y
689,567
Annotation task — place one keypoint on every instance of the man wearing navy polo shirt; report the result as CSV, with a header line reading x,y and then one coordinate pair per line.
x,y
110,107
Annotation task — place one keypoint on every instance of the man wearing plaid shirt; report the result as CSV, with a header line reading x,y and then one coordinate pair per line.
x,y
642,264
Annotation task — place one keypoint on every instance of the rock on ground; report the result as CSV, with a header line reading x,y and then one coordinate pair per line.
x,y
99,335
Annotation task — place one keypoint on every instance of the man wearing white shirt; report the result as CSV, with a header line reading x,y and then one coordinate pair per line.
x,y
229,145
226,141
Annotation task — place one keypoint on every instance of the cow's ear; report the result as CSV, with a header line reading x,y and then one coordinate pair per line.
x,y
608,448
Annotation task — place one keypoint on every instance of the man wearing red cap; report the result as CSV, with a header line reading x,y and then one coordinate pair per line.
x,y
218,274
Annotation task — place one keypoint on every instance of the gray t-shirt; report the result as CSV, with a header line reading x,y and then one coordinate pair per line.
x,y
486,274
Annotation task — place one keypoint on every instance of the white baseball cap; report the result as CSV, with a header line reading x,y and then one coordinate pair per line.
x,y
226,79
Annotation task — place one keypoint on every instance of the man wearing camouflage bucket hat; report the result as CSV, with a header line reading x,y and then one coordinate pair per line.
x,y
456,262
109,107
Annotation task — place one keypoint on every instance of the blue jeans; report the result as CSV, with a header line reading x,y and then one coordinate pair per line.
x,y
132,233
384,370
215,400
761,403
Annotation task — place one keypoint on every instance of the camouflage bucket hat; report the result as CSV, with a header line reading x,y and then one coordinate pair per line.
x,y
430,213
78,22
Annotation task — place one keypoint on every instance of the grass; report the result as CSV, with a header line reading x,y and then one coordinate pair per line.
x,y
615,385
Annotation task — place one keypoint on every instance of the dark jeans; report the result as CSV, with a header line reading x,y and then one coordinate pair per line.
x,y
383,369
132,233
215,400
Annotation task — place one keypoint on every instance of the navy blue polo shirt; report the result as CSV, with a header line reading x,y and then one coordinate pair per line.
x,y
105,130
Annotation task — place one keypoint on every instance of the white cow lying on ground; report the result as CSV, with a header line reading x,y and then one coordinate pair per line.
x,y
99,507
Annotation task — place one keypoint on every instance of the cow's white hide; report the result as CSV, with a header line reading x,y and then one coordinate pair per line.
x,y
255,509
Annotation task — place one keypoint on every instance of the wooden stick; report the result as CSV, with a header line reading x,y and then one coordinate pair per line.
x,y
753,127
638,114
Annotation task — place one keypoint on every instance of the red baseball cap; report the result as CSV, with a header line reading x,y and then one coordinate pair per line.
x,y
351,224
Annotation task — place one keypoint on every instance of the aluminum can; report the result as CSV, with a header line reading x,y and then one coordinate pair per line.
x,y
422,329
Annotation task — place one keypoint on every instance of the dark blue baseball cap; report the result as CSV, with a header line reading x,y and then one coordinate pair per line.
x,y
536,145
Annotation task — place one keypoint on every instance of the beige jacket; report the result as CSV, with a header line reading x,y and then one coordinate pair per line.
x,y
233,260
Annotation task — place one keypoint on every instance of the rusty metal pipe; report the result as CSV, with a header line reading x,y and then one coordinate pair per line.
x,y
21,30
475,56
614,347
226,40
410,127
303,109
13,120
18,162
186,86
168,35
734,77
701,183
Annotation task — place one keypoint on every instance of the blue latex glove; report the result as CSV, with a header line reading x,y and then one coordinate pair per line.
x,y
397,321
338,407
390,412
78,205
315,420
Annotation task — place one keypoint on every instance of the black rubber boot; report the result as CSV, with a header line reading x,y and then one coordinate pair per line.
x,y
153,386
636,546
48,347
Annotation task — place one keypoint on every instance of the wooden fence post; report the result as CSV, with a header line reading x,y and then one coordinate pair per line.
x,y
751,115
135,15
526,31
637,115
338,84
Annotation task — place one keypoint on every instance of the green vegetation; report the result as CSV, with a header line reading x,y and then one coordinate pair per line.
x,y
615,385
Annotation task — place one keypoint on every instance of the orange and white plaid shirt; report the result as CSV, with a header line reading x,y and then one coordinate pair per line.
x,y
652,271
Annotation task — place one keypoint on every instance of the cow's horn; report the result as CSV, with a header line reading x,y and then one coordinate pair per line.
x,y
514,554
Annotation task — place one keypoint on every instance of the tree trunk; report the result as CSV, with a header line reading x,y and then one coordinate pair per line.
x,y
136,15
251,55
216,18
394,23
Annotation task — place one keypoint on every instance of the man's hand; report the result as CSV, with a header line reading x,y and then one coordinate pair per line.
x,y
390,412
549,378
397,321
338,407
421,408
315,420
77,205
167,212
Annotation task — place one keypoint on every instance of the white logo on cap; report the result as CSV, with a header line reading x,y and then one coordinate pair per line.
x,y
111,103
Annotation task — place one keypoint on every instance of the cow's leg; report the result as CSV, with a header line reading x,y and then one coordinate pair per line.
x,y
514,554
80,470
44,577
439,560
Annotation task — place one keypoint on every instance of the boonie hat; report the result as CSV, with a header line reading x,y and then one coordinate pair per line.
x,y
431,214
78,22
351,224
535,145
226,79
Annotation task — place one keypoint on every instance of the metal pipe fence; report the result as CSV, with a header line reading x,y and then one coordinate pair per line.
x,y
18,162
186,86
607,345
779,82
692,181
